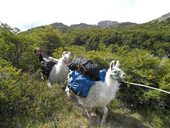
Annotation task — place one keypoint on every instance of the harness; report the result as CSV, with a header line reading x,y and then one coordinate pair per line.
x,y
116,76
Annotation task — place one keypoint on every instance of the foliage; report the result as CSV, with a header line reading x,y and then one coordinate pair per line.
x,y
9,92
47,38
141,67
152,36
31,100
142,51
11,45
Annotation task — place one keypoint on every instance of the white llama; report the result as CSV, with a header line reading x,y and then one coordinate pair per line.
x,y
101,93
60,70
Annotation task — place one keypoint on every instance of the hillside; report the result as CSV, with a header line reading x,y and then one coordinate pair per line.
x,y
142,49
162,18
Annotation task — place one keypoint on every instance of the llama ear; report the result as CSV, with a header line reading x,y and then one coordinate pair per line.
x,y
117,63
64,53
112,64
71,54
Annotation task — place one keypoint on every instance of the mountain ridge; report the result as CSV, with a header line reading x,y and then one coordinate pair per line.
x,y
102,24
162,18
107,23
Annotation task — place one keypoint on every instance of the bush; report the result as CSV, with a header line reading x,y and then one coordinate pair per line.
x,y
24,99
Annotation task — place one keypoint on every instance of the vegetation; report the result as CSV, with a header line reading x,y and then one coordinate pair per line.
x,y
143,52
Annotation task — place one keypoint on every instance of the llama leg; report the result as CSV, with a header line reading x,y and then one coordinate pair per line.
x,y
41,75
67,90
87,113
70,94
62,86
49,84
105,113
93,112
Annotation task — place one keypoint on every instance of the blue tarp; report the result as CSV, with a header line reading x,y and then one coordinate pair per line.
x,y
81,84
102,74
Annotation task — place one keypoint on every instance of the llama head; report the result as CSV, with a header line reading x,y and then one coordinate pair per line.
x,y
67,57
115,72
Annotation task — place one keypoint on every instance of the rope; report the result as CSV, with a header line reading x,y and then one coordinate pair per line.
x,y
141,85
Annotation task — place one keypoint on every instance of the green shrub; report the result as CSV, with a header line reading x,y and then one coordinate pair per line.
x,y
25,98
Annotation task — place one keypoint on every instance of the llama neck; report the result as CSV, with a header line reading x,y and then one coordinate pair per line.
x,y
60,64
61,61
63,64
112,84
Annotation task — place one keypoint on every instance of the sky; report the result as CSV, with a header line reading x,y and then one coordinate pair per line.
x,y
26,14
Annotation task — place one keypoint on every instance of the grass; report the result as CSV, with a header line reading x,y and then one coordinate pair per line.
x,y
119,117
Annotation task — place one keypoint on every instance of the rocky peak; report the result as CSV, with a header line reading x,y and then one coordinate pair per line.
x,y
107,23
58,24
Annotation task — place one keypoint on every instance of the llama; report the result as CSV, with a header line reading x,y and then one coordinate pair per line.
x,y
101,93
60,70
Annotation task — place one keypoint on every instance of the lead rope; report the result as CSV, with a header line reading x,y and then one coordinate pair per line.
x,y
141,85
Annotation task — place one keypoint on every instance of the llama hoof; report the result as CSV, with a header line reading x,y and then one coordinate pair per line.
x,y
93,114
49,85
102,123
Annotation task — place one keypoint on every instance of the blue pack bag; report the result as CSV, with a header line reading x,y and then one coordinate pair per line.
x,y
81,84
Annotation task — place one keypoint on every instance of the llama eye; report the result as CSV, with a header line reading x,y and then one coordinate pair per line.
x,y
114,71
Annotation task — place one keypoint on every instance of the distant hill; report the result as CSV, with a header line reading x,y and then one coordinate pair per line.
x,y
108,23
59,25
76,26
105,23
102,24
126,24
82,25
